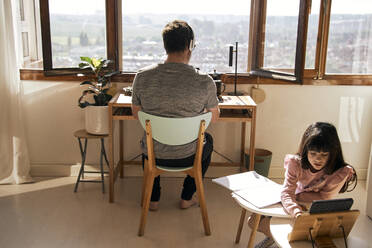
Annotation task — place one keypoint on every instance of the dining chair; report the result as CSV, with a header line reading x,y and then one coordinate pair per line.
x,y
173,131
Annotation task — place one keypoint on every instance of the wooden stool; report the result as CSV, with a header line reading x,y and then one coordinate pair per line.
x,y
82,134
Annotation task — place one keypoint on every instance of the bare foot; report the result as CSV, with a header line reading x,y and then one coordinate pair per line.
x,y
263,226
187,204
154,205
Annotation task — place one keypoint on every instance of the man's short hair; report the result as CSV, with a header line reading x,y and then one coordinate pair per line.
x,y
177,36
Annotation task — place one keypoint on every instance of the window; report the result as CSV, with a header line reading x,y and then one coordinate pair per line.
x,y
25,48
69,33
350,37
280,27
216,25
276,44
78,31
28,33
312,35
273,36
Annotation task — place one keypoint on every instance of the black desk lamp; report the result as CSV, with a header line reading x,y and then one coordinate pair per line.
x,y
231,51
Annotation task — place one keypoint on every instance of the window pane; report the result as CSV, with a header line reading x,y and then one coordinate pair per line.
x,y
77,31
350,37
312,34
21,10
25,49
281,34
216,26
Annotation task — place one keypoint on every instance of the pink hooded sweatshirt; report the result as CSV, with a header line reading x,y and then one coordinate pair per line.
x,y
306,186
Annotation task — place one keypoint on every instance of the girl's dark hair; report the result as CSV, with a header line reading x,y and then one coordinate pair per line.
x,y
177,36
322,136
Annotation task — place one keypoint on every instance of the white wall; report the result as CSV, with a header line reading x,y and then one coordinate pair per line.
x,y
52,115
369,187
288,110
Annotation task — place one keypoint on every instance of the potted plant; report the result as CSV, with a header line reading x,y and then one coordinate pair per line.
x,y
96,113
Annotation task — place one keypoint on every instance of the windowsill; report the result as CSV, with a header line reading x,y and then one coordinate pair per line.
x,y
228,78
38,75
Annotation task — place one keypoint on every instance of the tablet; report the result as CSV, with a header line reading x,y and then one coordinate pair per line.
x,y
334,205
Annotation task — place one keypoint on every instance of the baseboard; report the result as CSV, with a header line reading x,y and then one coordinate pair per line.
x,y
57,170
135,170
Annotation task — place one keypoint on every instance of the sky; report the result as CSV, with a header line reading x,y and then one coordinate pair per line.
x,y
234,7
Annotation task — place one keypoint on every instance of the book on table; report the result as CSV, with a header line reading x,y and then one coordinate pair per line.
x,y
252,187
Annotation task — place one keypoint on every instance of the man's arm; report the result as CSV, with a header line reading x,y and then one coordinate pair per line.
x,y
135,109
215,113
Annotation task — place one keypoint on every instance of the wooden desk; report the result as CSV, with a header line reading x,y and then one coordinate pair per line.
x,y
234,108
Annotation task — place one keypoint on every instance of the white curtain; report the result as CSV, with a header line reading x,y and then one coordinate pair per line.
x,y
14,158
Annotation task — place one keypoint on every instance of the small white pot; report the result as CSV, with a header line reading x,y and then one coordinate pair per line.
x,y
96,120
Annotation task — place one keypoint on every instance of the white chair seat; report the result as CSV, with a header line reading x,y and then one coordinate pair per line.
x,y
173,169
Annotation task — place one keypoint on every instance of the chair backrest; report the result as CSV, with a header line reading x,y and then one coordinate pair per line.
x,y
174,131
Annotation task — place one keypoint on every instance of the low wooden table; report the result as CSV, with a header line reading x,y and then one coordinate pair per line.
x,y
275,210
234,108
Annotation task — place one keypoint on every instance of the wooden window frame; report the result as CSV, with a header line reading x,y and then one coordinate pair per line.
x,y
113,27
257,58
315,76
322,41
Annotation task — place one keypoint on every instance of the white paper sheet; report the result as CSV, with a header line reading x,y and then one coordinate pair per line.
x,y
252,187
231,100
124,99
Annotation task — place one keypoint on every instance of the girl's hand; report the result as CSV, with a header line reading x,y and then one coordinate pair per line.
x,y
298,214
303,207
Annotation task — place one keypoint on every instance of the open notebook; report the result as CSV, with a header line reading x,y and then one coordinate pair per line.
x,y
252,187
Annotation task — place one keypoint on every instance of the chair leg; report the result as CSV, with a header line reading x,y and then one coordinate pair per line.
x,y
145,178
104,152
101,164
83,156
240,228
203,206
145,206
256,222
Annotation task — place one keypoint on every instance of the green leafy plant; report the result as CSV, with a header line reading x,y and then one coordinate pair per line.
x,y
99,83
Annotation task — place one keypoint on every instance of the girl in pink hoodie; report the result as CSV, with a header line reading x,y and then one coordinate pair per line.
x,y
317,172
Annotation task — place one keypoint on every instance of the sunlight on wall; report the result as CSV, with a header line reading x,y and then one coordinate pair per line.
x,y
35,87
350,118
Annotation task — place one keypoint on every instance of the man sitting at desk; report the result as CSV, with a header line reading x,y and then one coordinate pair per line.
x,y
176,89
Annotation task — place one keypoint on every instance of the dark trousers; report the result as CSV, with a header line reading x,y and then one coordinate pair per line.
x,y
189,186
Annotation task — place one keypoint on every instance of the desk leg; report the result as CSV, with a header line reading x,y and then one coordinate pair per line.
x,y
111,157
121,164
252,140
242,146
256,222
240,228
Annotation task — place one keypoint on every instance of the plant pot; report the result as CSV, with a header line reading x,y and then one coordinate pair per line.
x,y
96,120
